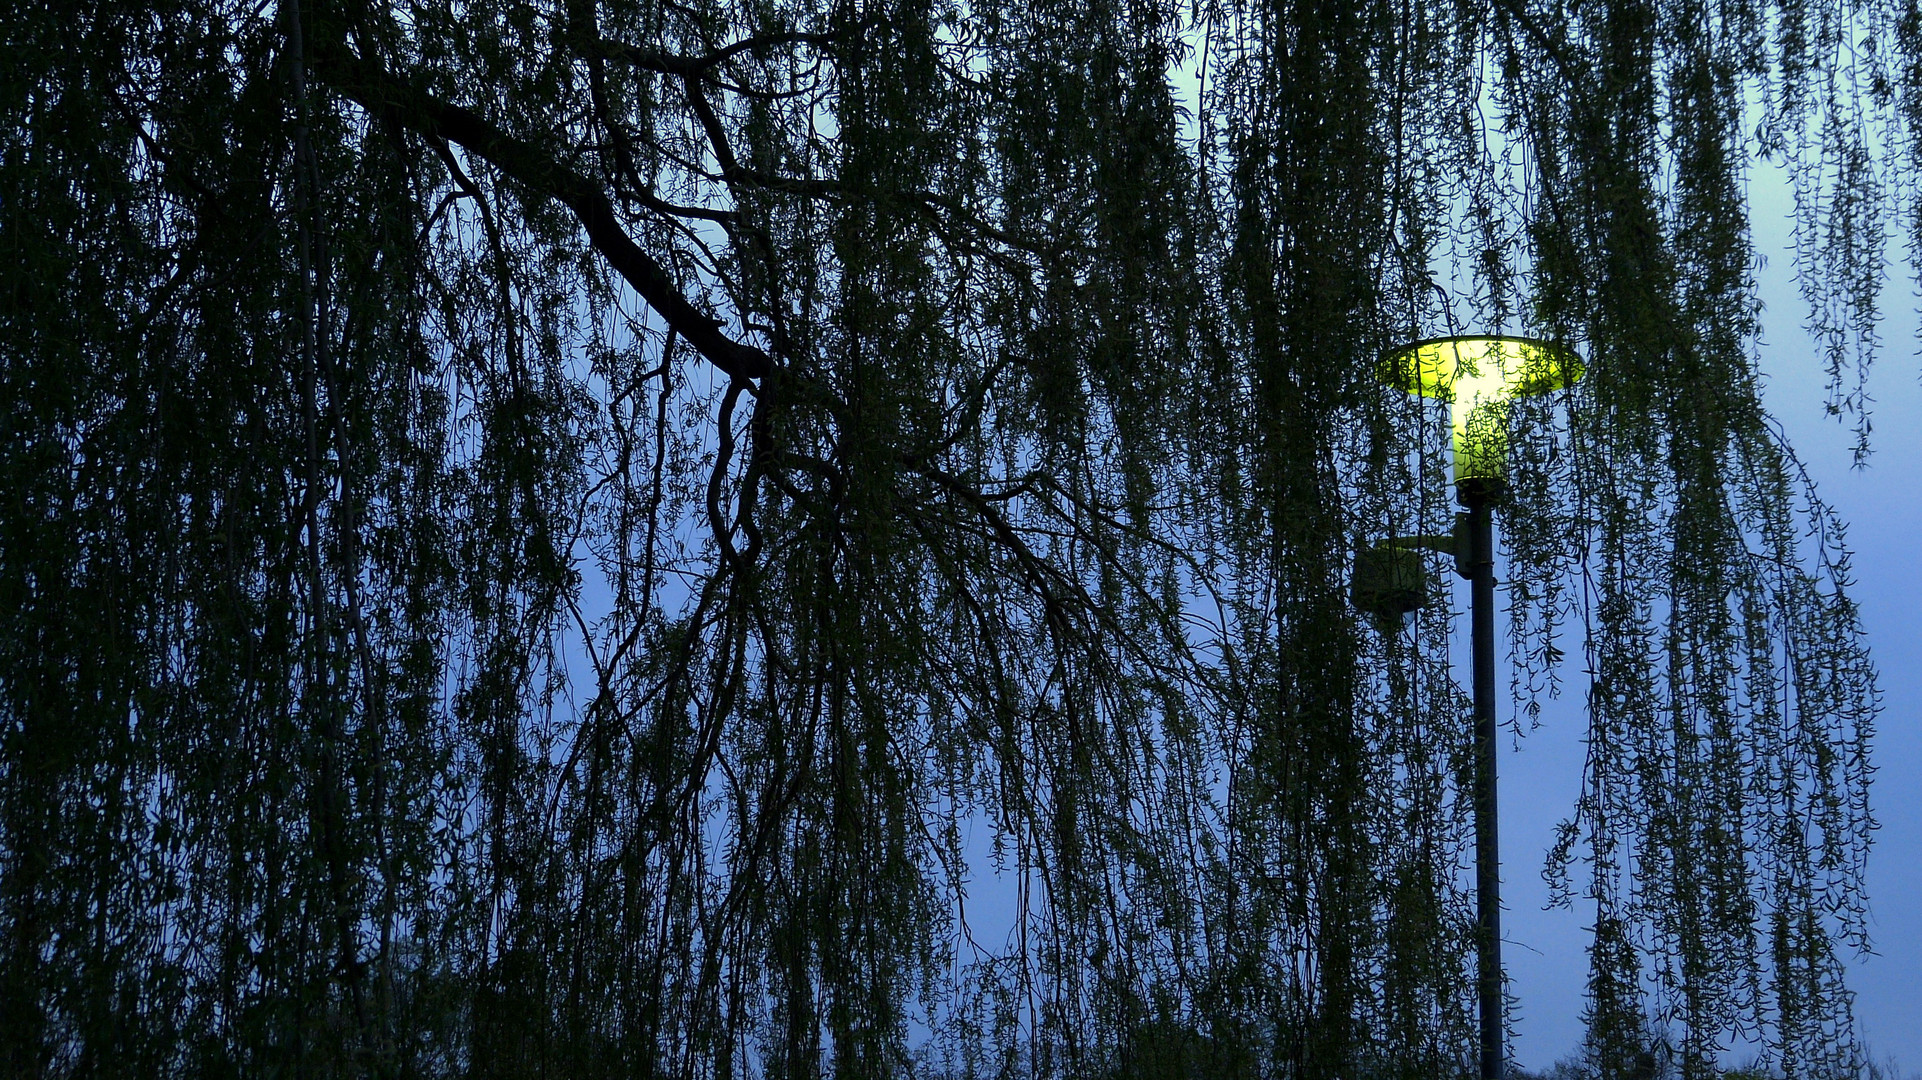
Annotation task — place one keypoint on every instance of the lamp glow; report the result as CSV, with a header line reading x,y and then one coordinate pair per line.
x,y
1479,376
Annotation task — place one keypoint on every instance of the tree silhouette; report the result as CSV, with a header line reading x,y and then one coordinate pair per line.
x,y
566,538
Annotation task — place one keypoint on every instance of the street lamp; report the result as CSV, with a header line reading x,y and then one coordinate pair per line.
x,y
1478,377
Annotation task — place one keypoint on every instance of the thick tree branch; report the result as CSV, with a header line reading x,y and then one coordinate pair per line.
x,y
670,64
373,89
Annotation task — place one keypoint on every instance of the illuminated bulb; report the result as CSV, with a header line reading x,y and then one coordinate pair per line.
x,y
1479,376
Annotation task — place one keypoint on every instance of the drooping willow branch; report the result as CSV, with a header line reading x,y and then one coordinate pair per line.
x,y
951,670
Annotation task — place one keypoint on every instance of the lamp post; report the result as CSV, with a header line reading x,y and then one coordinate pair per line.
x,y
1478,377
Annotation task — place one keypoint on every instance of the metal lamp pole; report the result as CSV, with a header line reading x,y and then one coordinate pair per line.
x,y
1475,497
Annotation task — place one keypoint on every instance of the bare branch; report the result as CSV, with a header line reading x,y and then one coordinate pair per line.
x,y
373,89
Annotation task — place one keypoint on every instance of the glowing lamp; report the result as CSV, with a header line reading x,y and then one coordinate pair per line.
x,y
1479,376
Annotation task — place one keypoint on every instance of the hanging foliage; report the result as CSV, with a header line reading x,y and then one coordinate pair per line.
x,y
775,539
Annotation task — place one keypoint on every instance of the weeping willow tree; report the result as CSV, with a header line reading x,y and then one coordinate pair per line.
x,y
786,538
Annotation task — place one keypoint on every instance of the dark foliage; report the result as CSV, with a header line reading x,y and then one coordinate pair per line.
x,y
570,538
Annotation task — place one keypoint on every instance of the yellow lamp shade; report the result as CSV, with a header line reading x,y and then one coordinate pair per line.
x,y
1479,376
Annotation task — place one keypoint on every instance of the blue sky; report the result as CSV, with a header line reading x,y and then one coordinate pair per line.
x,y
1881,503
1544,951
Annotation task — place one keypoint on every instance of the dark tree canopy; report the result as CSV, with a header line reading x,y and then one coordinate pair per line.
x,y
566,538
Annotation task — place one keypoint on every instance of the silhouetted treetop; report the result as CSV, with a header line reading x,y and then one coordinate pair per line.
x,y
781,539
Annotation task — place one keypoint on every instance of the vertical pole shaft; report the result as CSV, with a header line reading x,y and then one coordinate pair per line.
x,y
1475,496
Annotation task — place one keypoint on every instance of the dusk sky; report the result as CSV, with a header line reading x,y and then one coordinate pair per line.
x,y
1880,503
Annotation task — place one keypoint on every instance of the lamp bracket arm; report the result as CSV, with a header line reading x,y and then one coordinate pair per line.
x,y
1455,544
1443,544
